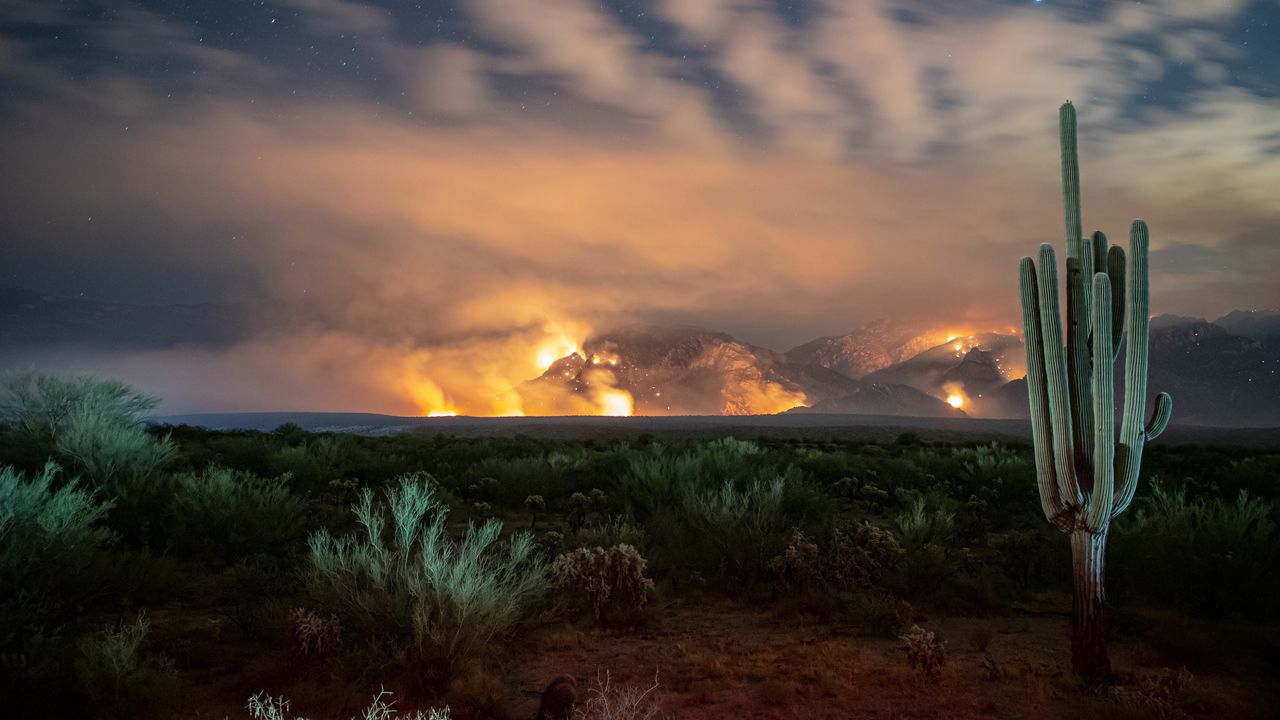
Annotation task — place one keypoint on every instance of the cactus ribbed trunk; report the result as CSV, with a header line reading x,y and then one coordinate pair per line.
x,y
1085,475
1089,658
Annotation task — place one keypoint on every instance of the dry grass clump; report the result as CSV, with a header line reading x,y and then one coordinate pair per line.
x,y
262,706
606,701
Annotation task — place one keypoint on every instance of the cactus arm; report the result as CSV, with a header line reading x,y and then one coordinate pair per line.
x,y
1132,432
1100,254
1037,397
1098,514
1055,372
1160,420
1080,254
1115,270
1070,174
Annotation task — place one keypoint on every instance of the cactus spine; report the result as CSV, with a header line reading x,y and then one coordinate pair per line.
x,y
1085,476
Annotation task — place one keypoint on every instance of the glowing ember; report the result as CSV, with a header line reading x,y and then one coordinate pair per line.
x,y
442,413
955,401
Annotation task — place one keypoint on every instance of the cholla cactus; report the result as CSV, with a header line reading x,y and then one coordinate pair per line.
x,y
608,578
925,651
1085,477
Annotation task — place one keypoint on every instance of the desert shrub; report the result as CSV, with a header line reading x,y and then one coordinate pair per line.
x,y
311,465
47,535
1032,558
120,679
918,526
607,701
315,633
263,706
50,540
1210,555
41,407
879,613
925,652
858,560
928,560
507,481
401,580
115,455
97,426
535,505
550,543
579,509
659,478
228,514
610,580
844,562
616,530
736,530
655,481
799,565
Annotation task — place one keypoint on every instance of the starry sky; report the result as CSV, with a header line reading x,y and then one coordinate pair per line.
x,y
410,195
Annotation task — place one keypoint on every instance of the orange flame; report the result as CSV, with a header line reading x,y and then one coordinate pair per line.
x,y
956,396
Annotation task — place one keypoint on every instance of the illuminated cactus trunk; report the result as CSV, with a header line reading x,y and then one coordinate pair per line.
x,y
1085,476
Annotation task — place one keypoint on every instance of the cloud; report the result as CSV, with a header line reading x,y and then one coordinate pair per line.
x,y
425,236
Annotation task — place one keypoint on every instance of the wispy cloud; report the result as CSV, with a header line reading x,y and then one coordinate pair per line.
x,y
711,162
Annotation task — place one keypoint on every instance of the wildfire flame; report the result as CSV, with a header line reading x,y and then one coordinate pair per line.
x,y
616,403
956,396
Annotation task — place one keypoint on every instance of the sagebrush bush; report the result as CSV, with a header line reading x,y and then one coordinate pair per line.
x,y
1210,555
736,530
96,426
404,581
228,513
919,526
41,406
114,455
51,539
659,478
47,535
610,580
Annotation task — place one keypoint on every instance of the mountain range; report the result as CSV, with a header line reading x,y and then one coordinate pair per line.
x,y
1223,373
1217,376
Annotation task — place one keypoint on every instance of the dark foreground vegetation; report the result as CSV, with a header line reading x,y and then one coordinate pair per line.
x,y
177,572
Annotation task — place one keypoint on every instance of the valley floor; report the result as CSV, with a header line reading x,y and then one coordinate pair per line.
x,y
722,660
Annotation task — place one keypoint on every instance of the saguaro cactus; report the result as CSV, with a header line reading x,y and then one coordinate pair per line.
x,y
1085,476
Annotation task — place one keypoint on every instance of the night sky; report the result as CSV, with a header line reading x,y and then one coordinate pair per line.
x,y
414,200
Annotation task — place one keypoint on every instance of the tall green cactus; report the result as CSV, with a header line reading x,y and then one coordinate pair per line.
x,y
1085,476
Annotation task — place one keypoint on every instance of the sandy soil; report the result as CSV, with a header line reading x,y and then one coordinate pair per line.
x,y
722,660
